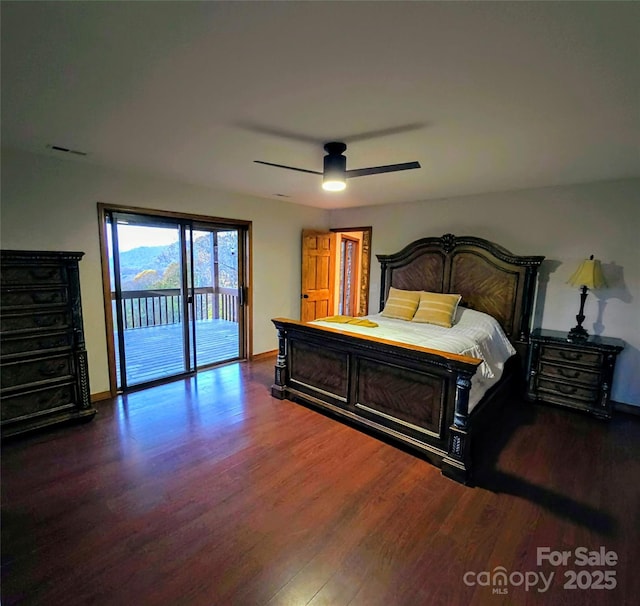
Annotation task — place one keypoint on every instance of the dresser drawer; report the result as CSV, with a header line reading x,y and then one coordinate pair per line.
x,y
36,370
16,275
570,374
19,296
12,345
567,390
15,407
571,356
33,321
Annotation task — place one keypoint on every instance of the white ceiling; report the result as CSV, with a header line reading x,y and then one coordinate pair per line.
x,y
486,96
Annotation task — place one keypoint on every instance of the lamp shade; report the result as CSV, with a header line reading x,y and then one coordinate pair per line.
x,y
588,274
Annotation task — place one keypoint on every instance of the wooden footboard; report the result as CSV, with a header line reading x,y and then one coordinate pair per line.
x,y
413,395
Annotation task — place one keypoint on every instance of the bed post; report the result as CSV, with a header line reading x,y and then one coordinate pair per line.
x,y
383,285
527,303
278,389
457,463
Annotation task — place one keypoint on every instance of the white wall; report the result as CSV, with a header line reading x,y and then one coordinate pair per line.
x,y
566,225
50,204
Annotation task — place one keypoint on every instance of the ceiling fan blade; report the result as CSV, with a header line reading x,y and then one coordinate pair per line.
x,y
263,129
383,132
302,170
375,170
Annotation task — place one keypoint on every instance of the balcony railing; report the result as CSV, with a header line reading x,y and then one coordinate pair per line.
x,y
142,308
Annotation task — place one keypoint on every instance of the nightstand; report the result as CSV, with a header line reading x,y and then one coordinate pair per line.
x,y
575,374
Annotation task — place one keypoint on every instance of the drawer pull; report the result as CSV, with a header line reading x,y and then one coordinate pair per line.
x,y
43,321
42,274
45,297
50,372
570,355
566,389
568,373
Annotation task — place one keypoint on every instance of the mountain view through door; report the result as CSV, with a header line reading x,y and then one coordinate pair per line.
x,y
215,262
175,296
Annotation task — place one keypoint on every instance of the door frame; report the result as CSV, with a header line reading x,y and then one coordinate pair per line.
x,y
245,241
365,264
344,283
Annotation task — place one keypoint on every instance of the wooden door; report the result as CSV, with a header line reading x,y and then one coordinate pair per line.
x,y
318,266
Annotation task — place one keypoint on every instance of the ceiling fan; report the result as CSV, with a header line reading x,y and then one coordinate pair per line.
x,y
335,170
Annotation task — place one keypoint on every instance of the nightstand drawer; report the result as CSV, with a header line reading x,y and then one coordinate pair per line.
x,y
567,390
571,356
570,374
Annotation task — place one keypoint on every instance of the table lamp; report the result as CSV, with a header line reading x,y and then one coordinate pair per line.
x,y
588,275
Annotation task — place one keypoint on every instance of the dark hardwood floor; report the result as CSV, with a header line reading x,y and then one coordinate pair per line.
x,y
208,491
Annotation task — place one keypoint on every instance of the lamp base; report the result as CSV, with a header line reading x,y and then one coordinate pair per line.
x,y
577,333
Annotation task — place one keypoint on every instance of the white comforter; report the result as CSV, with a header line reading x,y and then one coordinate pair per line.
x,y
473,333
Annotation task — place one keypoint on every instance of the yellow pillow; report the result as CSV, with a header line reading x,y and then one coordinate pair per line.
x,y
401,304
437,308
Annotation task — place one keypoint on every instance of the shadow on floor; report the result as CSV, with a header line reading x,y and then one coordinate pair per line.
x,y
489,476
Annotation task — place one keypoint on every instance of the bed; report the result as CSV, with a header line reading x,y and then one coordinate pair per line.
x,y
406,390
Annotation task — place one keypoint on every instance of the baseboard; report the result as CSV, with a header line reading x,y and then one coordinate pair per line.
x,y
102,395
629,409
265,355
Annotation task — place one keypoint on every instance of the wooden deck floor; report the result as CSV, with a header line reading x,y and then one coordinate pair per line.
x,y
155,352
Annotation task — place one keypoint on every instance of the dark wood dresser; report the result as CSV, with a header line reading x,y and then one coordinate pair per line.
x,y
575,374
43,374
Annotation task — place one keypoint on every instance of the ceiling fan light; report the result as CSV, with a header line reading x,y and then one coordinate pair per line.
x,y
335,166
333,183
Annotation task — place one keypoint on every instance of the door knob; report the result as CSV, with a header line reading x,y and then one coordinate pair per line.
x,y
304,296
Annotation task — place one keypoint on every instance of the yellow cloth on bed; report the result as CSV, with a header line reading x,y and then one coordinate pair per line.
x,y
349,320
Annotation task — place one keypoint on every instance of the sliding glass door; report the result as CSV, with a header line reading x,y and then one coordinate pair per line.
x,y
217,296
177,296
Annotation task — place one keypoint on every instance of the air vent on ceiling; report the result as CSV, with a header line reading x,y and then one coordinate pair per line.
x,y
66,150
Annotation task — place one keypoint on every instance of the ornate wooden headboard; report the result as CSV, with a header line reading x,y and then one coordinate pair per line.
x,y
489,277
